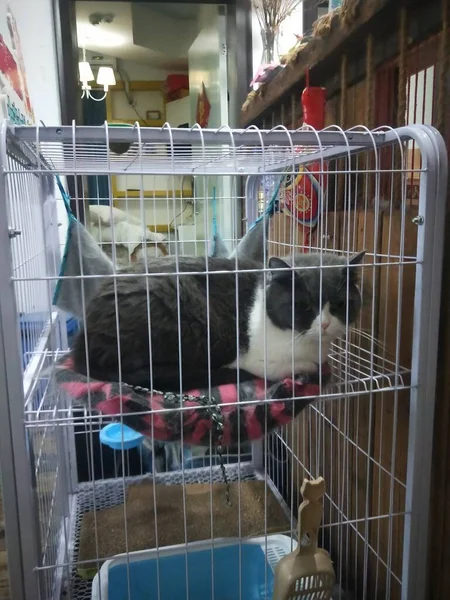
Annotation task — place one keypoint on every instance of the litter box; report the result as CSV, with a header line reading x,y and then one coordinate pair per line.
x,y
168,573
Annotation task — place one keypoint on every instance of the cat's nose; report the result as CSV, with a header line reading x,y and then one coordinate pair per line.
x,y
325,325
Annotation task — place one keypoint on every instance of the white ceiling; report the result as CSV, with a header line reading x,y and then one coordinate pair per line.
x,y
117,39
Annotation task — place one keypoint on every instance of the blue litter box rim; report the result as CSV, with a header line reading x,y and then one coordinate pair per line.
x,y
101,590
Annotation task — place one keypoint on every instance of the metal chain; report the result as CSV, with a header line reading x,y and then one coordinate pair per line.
x,y
217,419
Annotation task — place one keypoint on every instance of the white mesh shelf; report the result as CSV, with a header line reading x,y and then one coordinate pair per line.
x,y
355,372
169,151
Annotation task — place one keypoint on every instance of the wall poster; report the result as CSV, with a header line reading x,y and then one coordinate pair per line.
x,y
13,81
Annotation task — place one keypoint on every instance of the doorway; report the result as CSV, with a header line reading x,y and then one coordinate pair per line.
x,y
238,51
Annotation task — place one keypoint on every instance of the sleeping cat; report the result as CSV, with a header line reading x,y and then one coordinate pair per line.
x,y
265,329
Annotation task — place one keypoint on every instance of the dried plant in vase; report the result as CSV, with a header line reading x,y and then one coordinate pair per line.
x,y
271,15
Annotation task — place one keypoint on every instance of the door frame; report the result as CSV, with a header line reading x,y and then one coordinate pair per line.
x,y
239,17
66,45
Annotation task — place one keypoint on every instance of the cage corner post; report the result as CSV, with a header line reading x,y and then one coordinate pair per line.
x,y
21,522
430,247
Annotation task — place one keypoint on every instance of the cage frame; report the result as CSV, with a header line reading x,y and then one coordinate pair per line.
x,y
18,495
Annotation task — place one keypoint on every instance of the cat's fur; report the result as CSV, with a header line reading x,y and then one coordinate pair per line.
x,y
234,332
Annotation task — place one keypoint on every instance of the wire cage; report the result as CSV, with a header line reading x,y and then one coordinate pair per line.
x,y
368,432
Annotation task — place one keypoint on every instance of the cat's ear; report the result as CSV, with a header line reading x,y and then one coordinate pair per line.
x,y
352,273
275,264
357,258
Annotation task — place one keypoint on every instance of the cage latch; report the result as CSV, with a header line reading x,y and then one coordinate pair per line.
x,y
13,233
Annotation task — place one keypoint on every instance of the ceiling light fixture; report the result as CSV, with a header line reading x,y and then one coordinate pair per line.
x,y
105,78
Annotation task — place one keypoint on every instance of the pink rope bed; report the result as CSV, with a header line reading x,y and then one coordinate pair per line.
x,y
228,415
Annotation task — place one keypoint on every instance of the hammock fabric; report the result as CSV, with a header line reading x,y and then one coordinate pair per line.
x,y
229,404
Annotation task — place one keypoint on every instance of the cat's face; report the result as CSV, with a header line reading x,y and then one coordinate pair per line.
x,y
318,302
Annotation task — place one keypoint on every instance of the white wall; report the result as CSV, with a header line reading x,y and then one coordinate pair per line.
x,y
157,211
420,108
208,65
292,26
34,52
135,70
142,72
164,33
144,101
35,27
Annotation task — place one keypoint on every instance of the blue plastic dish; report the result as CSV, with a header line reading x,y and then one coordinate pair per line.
x,y
118,436
167,578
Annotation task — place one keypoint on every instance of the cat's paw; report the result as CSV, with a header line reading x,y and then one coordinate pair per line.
x,y
306,367
321,374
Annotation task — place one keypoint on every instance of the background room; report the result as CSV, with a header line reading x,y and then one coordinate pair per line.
x,y
167,63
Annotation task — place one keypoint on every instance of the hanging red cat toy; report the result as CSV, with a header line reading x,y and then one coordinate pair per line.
x,y
303,195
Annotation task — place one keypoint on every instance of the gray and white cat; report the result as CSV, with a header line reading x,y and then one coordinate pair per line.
x,y
228,319
276,348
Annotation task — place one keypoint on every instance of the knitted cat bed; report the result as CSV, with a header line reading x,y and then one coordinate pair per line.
x,y
228,415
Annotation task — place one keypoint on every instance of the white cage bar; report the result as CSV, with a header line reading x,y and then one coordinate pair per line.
x,y
379,405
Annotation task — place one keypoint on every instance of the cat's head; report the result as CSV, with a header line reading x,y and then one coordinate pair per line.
x,y
319,302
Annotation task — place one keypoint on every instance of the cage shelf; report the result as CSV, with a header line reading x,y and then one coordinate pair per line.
x,y
166,151
355,372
